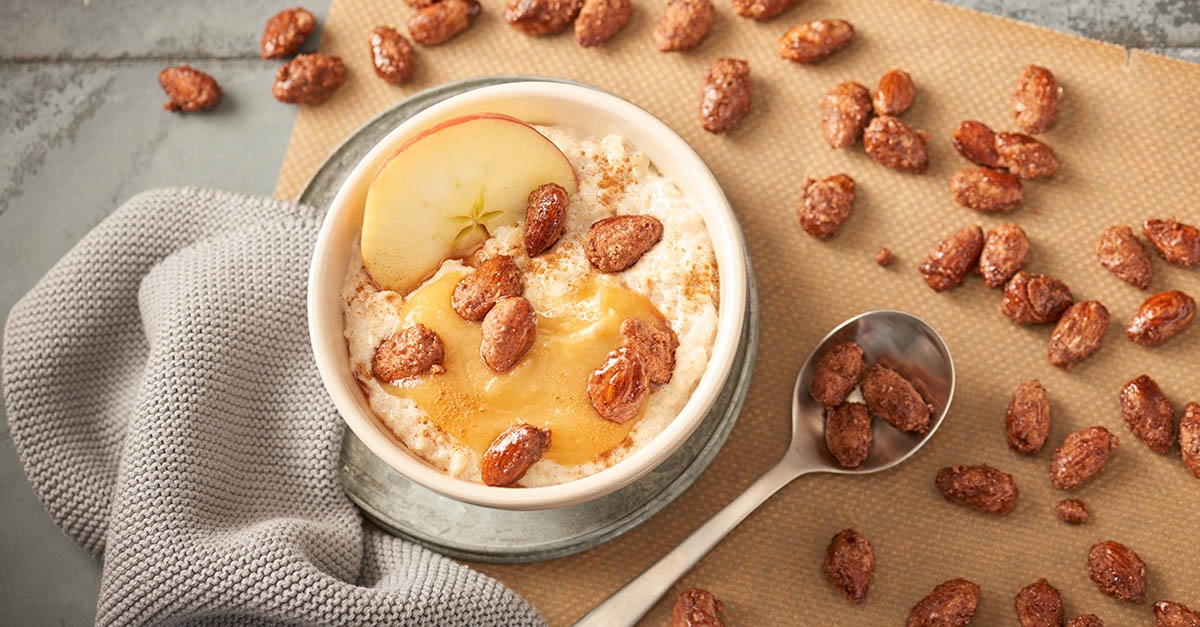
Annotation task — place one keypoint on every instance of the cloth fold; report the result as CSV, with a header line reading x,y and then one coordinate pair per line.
x,y
162,397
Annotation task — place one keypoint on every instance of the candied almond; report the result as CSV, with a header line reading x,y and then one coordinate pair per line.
x,y
884,257
761,9
1027,420
1005,251
836,374
509,330
1148,413
1035,299
894,144
827,204
987,190
1081,456
951,604
812,41
1118,571
1039,605
188,89
850,564
600,20
895,93
696,607
541,17
1122,253
475,295
1160,317
1025,157
511,454
1072,511
1078,334
844,113
409,352
309,79
1176,242
440,21
1035,99
1189,438
848,434
545,215
683,24
392,55
1172,614
893,399
1085,620
981,488
976,143
286,31
618,389
953,258
654,344
725,95
616,243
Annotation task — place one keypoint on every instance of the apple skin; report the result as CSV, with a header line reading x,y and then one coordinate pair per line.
x,y
443,191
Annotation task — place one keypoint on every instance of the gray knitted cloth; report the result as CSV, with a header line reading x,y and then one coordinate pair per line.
x,y
162,396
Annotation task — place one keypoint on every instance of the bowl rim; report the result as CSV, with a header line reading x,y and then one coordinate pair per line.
x,y
331,353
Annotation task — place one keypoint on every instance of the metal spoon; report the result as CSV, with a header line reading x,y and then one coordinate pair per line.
x,y
895,339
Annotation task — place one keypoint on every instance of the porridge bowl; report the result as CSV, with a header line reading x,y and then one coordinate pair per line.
x,y
379,274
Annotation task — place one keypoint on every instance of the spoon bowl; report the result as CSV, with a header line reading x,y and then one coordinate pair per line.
x,y
894,339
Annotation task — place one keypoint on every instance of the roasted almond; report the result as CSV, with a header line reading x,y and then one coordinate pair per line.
x,y
654,344
894,144
987,190
616,243
1118,571
618,389
696,607
976,143
951,604
511,454
1035,99
850,564
895,93
1148,413
1078,334
683,24
1189,438
981,488
893,399
1039,605
475,295
1025,157
1027,421
508,333
812,41
827,204
954,257
545,215
1082,455
410,352
848,434
1160,317
1122,253
836,374
844,113
1005,251
1035,299
1072,511
1178,243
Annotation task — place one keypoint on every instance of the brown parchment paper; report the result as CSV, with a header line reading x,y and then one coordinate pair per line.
x,y
1130,150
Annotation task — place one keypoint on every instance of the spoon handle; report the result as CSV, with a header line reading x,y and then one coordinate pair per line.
x,y
635,598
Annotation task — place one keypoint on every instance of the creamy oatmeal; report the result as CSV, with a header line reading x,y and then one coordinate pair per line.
x,y
449,418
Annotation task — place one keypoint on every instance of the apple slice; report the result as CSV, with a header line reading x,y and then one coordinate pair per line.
x,y
443,191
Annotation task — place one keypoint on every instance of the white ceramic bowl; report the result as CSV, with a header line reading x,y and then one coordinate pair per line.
x,y
537,102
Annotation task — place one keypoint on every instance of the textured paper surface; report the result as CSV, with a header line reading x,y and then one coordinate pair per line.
x,y
1129,152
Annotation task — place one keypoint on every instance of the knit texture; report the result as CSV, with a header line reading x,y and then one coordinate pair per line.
x,y
162,396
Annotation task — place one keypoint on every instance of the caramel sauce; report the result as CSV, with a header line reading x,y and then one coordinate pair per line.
x,y
548,386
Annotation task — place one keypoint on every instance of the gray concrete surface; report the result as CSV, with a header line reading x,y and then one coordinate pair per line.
x,y
81,130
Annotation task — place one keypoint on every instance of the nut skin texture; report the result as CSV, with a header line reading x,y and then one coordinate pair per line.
x,y
884,257
953,258
410,352
683,24
1035,299
1027,421
188,89
827,204
511,454
951,604
285,32
1072,511
1078,334
600,20
1189,438
986,190
1118,571
1005,251
392,55
653,344
1086,620
976,143
1039,605
836,374
1035,99
696,607
850,564
619,388
725,96
813,41
848,434
844,113
894,144
1082,455
761,10
1026,157
1176,242
1171,614
891,398
616,243
439,22
1122,253
1160,317
895,93
309,79
981,488
508,333
478,292
1148,413
545,216
541,17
